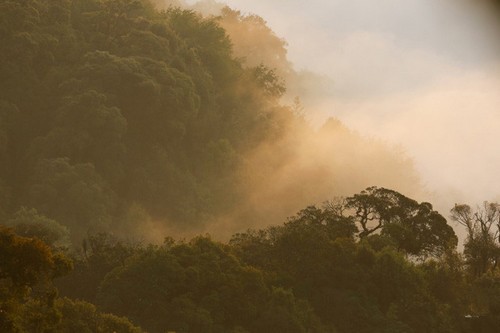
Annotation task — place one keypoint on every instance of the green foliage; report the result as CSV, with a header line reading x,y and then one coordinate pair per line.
x,y
446,282
67,316
357,286
101,253
254,42
482,245
415,228
74,194
126,105
86,130
112,111
79,316
200,287
310,274
26,261
29,223
27,267
271,83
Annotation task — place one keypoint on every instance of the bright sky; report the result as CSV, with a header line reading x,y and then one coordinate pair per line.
x,y
424,74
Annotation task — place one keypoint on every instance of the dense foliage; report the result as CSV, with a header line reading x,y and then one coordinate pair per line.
x,y
317,272
109,104
118,120
113,113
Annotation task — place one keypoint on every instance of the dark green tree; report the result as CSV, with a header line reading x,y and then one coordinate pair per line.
x,y
200,287
29,223
414,227
73,194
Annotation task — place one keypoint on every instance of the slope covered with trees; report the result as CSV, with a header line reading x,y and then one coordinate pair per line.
x,y
320,271
105,104
120,121
115,115
376,261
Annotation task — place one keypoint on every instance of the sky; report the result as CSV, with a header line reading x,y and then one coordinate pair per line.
x,y
421,74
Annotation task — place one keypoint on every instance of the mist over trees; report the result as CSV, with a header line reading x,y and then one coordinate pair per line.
x,y
318,272
114,113
115,103
125,122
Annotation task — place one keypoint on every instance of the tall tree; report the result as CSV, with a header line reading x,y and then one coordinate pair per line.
x,y
415,227
482,245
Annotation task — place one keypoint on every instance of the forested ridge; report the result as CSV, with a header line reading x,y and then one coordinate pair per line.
x,y
126,123
110,105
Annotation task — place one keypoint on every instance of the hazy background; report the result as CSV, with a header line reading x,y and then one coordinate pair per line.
x,y
423,74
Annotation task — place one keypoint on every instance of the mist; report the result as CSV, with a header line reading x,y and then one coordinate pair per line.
x,y
259,167
314,159
390,95
421,75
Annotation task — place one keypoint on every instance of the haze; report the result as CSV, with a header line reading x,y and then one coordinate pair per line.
x,y
172,170
421,74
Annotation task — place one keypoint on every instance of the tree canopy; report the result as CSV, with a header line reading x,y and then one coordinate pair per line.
x,y
123,121
107,104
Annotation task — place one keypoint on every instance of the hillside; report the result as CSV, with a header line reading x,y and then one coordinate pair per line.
x,y
128,125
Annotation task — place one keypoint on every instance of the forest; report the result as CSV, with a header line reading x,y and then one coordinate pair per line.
x,y
158,174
